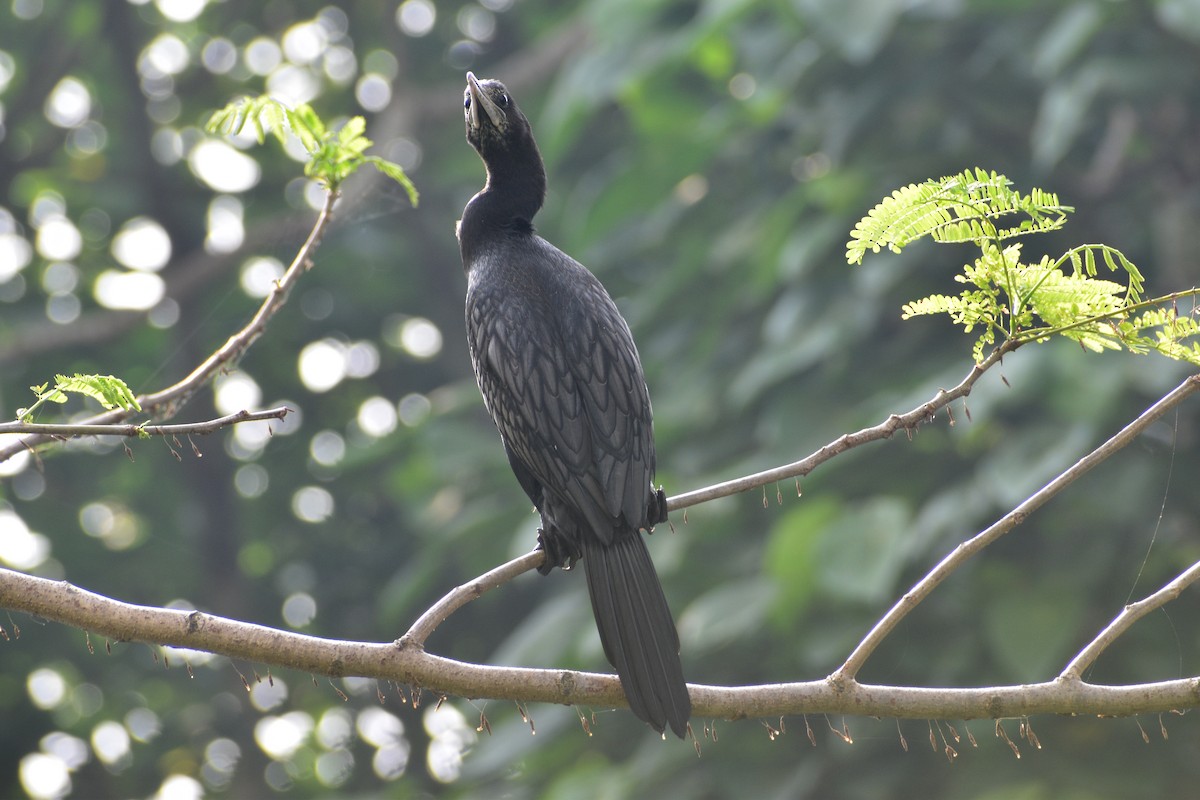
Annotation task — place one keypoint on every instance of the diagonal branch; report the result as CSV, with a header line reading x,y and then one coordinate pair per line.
x,y
440,611
924,587
1125,620
884,430
167,402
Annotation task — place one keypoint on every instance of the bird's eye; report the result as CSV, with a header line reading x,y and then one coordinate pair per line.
x,y
502,100
467,100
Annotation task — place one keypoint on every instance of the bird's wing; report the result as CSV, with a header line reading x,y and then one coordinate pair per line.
x,y
565,388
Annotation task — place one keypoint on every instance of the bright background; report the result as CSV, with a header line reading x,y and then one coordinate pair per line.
x,y
706,160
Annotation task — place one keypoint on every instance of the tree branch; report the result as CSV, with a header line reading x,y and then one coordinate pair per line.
x,y
61,602
167,402
1124,621
884,430
65,430
925,586
440,611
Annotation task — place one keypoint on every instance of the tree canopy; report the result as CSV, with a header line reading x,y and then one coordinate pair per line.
x,y
708,161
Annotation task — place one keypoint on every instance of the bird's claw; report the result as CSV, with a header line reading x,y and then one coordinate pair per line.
x,y
558,553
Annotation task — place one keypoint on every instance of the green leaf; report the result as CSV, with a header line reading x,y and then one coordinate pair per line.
x,y
333,156
396,173
1025,302
955,208
111,392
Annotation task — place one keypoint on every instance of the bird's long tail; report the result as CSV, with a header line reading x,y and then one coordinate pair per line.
x,y
636,629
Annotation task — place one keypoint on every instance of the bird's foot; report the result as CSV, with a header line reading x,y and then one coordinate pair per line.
x,y
656,510
558,551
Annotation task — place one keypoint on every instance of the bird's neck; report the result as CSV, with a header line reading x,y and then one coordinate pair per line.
x,y
516,184
508,202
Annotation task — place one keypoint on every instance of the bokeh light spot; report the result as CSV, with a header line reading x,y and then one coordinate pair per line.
x,y
322,364
225,228
20,547
58,239
15,255
69,103
281,737
327,448
263,55
46,687
142,244
312,504
44,777
266,695
299,609
180,10
110,742
128,291
373,92
236,391
223,168
219,55
166,55
259,275
416,17
377,417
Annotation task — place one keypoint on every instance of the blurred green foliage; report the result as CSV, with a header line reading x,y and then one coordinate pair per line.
x,y
707,160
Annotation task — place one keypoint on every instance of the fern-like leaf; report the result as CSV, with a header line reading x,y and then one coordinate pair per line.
x,y
955,208
108,390
1025,302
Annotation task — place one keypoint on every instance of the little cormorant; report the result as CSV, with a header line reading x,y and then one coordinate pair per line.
x,y
562,380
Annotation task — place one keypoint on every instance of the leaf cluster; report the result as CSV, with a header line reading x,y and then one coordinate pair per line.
x,y
1022,301
333,155
108,390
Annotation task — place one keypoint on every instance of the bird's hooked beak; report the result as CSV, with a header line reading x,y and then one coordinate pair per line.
x,y
480,102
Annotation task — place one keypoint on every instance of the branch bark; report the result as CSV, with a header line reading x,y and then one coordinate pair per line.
x,y
135,431
1125,620
884,430
409,664
967,549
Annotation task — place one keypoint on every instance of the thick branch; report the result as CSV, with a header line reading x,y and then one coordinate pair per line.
x,y
165,403
967,549
64,430
62,602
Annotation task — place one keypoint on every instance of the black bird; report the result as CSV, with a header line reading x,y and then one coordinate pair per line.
x,y
561,377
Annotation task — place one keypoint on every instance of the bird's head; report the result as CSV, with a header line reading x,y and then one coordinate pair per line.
x,y
494,123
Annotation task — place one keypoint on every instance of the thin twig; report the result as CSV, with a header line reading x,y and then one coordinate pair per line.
x,y
884,430
65,430
846,673
440,611
167,402
1124,621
